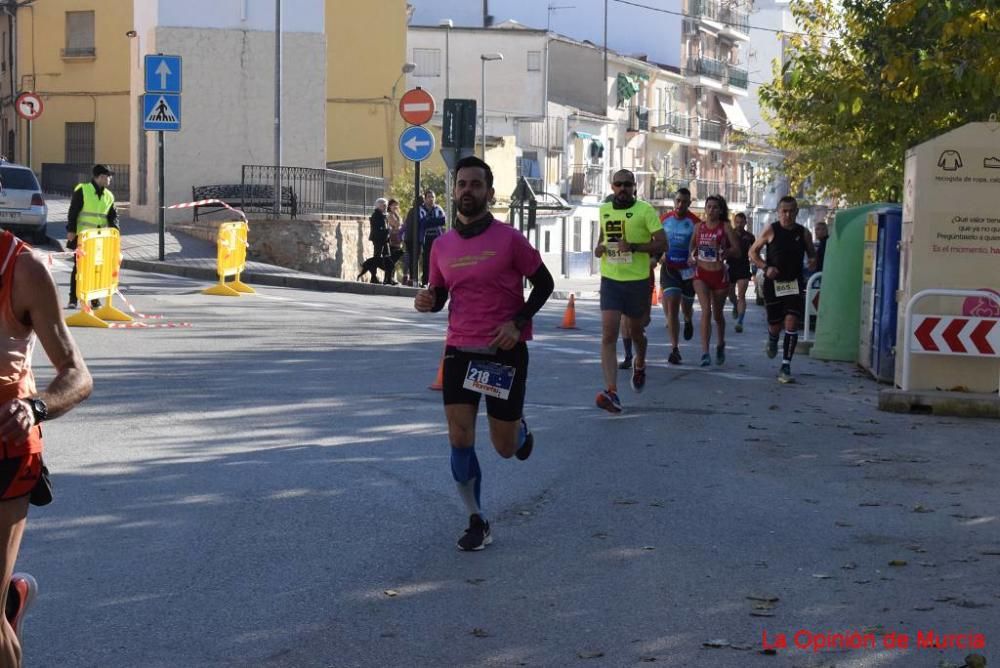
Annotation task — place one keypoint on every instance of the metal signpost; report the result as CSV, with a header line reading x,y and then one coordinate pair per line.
x,y
458,138
161,106
416,143
29,107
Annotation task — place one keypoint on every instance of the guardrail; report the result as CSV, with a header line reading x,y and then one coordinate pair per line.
x,y
910,334
316,190
813,280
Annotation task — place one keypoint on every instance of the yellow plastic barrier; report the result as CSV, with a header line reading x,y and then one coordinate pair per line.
x,y
99,253
232,260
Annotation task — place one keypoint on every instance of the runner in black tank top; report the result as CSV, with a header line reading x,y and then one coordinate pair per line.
x,y
786,242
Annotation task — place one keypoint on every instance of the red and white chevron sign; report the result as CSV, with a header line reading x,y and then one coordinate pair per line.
x,y
956,335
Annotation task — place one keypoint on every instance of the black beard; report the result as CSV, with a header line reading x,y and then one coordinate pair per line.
x,y
471,210
624,201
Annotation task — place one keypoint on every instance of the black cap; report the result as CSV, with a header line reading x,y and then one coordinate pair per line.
x,y
101,169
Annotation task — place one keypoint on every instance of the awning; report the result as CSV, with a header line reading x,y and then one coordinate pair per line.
x,y
580,134
735,114
626,87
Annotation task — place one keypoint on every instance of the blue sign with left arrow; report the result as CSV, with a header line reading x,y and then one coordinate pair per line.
x,y
416,143
163,74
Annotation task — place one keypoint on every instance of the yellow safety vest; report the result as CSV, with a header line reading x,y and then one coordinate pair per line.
x,y
94,213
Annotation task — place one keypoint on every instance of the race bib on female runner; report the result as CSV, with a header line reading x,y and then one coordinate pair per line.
x,y
786,288
708,253
489,378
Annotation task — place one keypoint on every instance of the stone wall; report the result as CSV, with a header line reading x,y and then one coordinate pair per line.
x,y
332,245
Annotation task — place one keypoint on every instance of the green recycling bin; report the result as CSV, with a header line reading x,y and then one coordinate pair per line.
x,y
839,322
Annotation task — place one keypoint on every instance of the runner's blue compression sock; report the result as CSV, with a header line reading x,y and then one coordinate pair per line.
x,y
465,470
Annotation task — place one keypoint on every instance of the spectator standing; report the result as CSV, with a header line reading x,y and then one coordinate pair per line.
x,y
379,234
822,234
91,207
411,246
395,223
433,224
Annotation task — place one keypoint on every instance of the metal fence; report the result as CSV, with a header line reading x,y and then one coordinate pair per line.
x,y
363,166
314,190
59,178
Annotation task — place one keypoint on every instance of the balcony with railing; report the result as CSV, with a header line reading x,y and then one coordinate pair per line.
x,y
713,131
706,67
587,179
672,122
637,118
732,192
739,78
717,70
724,13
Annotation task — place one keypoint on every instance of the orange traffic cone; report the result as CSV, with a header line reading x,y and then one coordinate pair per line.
x,y
438,383
569,316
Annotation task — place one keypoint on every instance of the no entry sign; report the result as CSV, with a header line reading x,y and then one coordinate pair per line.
x,y
416,106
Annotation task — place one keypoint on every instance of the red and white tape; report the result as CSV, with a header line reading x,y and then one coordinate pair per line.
x,y
205,202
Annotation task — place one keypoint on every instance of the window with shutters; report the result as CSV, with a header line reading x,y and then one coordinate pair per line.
x,y
428,62
79,35
534,61
80,143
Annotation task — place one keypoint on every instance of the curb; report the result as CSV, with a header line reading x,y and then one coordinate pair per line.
x,y
960,404
315,283
585,295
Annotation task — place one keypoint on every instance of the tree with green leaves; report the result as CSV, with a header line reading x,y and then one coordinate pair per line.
x,y
401,188
864,80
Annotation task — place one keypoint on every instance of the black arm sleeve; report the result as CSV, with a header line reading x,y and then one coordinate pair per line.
x,y
75,206
440,297
542,285
113,217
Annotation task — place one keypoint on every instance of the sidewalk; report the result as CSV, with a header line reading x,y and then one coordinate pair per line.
x,y
191,257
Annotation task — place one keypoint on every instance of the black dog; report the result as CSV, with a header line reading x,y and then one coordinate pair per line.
x,y
386,263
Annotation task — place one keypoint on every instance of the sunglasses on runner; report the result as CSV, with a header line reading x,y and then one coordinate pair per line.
x,y
624,184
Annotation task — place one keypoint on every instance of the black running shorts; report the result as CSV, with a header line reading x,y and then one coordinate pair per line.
x,y
673,282
456,368
19,475
739,271
631,298
779,307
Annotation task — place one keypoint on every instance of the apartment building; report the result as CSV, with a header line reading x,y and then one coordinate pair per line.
x,y
75,56
714,55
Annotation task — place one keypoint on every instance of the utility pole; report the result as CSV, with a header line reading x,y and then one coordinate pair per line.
x,y
605,42
277,108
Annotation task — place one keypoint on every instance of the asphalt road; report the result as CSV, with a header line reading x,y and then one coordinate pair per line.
x,y
270,487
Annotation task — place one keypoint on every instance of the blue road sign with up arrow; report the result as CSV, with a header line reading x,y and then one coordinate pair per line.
x,y
161,112
416,143
163,74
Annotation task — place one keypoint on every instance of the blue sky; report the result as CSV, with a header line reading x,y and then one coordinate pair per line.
x,y
631,29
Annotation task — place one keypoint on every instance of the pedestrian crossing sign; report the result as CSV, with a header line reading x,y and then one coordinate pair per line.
x,y
161,112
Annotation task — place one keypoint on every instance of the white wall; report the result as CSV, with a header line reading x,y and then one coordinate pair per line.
x,y
764,48
511,90
228,111
631,29
258,15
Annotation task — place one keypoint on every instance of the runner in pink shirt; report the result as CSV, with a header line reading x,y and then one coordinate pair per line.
x,y
480,265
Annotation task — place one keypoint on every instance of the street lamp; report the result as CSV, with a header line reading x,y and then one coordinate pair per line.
x,y
403,71
447,24
482,98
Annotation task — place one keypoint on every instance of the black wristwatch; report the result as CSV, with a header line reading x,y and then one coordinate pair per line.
x,y
632,247
521,322
38,407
